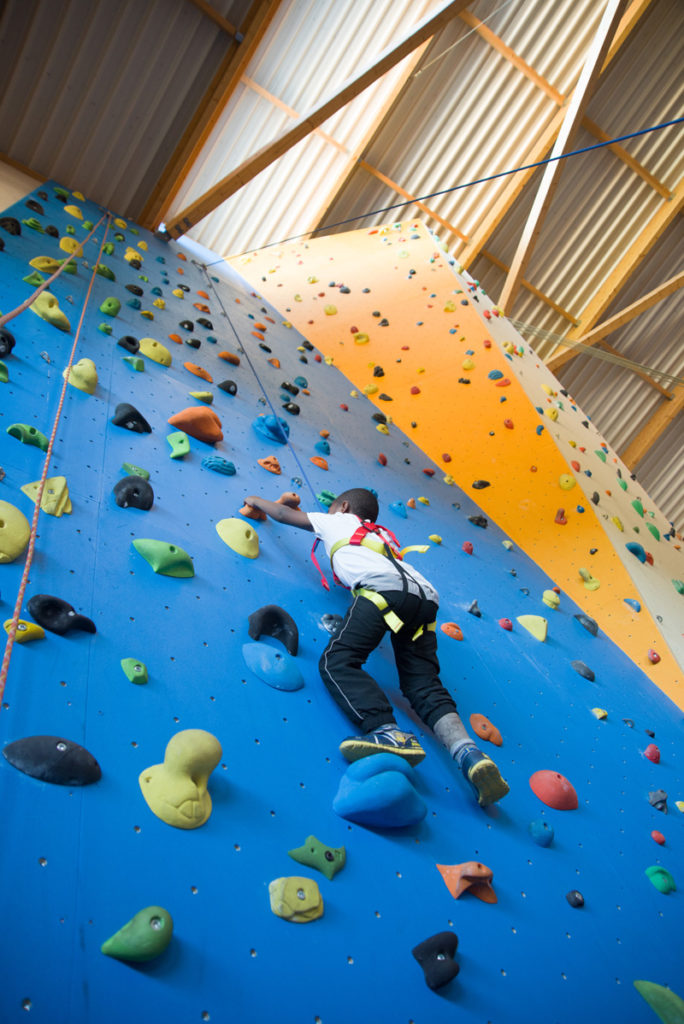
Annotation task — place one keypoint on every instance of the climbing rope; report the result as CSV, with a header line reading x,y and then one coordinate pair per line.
x,y
12,632
256,375
454,188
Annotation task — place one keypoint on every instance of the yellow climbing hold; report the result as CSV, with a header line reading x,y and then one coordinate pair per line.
x,y
435,538
159,303
551,599
616,521
424,501
176,791
312,279
450,306
286,323
46,263
71,246
132,254
73,211
509,347
508,544
178,292
147,313
155,351
26,631
468,364
353,393
83,375
599,713
566,481
46,306
328,360
79,196
590,582
449,480
14,532
239,536
382,427
330,310
55,500
142,245
120,223
360,338
547,389
679,804
552,413
534,624
370,389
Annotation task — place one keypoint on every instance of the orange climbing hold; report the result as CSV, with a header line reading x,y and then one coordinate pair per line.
x,y
274,362
250,512
259,335
452,630
382,459
181,256
202,295
483,728
199,371
200,422
201,307
270,463
176,338
473,876
260,327
319,461
230,357
411,503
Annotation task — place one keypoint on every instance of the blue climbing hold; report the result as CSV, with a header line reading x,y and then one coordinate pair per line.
x,y
637,550
540,429
541,832
323,447
219,465
495,374
633,604
272,666
378,791
272,428
399,508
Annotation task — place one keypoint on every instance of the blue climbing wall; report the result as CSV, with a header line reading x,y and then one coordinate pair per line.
x,y
77,863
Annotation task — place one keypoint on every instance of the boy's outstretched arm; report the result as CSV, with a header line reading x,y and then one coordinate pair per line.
x,y
281,513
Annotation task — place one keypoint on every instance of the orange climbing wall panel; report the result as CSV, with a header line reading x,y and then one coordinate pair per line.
x,y
425,330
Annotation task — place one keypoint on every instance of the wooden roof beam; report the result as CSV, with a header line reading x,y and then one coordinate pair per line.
x,y
539,149
217,18
552,172
210,108
619,275
407,195
657,425
271,152
529,287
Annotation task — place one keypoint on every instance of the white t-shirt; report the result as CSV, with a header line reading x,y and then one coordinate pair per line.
x,y
360,566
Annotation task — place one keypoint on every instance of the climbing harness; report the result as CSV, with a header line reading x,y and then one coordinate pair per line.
x,y
383,541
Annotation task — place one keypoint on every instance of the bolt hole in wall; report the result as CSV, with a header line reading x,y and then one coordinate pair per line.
x,y
162,621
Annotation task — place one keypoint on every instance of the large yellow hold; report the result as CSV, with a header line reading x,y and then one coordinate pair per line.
x,y
55,500
239,537
176,791
155,351
14,532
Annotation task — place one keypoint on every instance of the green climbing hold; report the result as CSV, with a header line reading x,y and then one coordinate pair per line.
x,y
601,454
166,559
108,248
534,624
180,444
131,470
134,670
46,306
662,1000
315,854
105,271
111,306
105,328
28,435
4,373
62,193
661,878
239,537
135,363
88,225
203,396
326,498
638,507
33,222
143,938
653,530
622,483
35,278
678,585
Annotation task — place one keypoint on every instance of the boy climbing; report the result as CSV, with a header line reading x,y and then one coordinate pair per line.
x,y
388,594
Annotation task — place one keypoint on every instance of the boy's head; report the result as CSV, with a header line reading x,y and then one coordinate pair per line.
x,y
359,501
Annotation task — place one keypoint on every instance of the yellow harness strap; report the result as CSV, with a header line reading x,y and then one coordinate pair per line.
x,y
390,617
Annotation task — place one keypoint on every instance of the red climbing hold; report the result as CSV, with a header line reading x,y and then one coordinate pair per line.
x,y
508,424
652,753
653,656
446,457
487,343
345,408
658,837
486,314
429,472
506,624
560,517
554,790
382,459
649,558
575,465
415,390
467,547
503,383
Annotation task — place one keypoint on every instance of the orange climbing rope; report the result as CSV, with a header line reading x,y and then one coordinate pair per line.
x,y
12,632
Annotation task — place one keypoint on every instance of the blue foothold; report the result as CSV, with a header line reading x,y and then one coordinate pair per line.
x,y
540,428
541,832
495,374
399,508
637,550
219,465
633,604
275,667
378,791
272,428
323,447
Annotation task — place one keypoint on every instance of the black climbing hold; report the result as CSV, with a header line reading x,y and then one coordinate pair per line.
x,y
36,207
584,670
272,620
193,342
628,722
649,732
303,359
307,345
436,956
591,625
344,290
42,195
6,342
595,498
135,264
134,492
126,415
480,521
11,225
378,371
292,408
474,610
385,398
463,380
291,388
52,231
332,623
134,289
479,485
187,325
379,417
264,348
575,898
229,386
183,287
2,245
57,615
130,343
205,323
53,759
384,322
592,551
658,798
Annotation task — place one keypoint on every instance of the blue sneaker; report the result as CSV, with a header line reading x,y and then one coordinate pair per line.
x,y
483,775
383,741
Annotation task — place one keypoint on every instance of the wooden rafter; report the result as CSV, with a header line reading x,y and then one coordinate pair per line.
x,y
661,419
215,16
540,147
290,111
616,280
652,298
530,287
407,195
210,108
552,172
269,153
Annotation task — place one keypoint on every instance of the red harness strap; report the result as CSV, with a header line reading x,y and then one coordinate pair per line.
x,y
357,538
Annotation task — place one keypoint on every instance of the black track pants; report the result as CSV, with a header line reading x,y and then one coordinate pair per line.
x,y
356,692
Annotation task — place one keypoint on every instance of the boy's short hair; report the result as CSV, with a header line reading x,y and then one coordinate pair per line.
x,y
362,502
